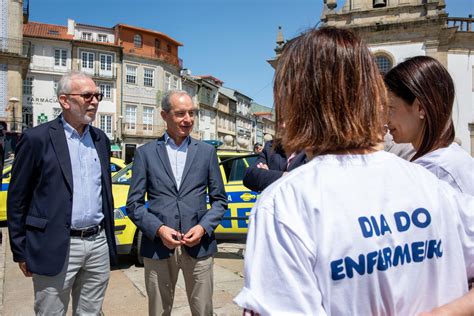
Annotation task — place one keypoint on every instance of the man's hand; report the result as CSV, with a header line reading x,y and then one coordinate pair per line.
x,y
193,236
170,237
262,165
24,269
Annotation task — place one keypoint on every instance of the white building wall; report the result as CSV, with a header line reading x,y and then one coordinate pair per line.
x,y
43,99
43,102
43,55
400,52
207,124
460,66
138,92
95,32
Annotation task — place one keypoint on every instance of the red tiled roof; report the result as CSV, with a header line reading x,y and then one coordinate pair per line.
x,y
216,80
34,29
172,40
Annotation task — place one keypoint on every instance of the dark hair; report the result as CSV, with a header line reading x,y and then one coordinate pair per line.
x,y
425,79
329,92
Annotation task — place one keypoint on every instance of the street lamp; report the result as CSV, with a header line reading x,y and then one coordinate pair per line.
x,y
13,101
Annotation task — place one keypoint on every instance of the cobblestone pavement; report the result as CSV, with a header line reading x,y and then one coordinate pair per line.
x,y
126,293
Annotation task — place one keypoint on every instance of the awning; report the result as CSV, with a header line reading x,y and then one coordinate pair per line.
x,y
215,143
115,147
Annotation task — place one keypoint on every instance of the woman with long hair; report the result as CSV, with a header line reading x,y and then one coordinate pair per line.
x,y
421,96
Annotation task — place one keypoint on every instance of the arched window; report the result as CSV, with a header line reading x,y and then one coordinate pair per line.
x,y
384,63
137,40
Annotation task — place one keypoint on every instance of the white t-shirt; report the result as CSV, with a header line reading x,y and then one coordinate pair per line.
x,y
453,165
358,235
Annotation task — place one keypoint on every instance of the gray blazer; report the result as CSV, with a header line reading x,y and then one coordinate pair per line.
x,y
179,209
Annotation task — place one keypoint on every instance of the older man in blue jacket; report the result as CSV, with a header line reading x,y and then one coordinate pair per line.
x,y
60,207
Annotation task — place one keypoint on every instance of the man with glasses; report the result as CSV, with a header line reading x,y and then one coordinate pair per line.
x,y
60,207
176,172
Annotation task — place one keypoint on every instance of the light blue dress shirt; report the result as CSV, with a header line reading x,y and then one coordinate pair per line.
x,y
177,156
86,175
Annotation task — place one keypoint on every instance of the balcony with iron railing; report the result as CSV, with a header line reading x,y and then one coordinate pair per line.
x,y
14,47
98,73
142,130
462,24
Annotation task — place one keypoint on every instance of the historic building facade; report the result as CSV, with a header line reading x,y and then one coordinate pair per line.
x,y
51,47
150,68
399,29
95,52
14,60
57,50
133,68
226,110
207,104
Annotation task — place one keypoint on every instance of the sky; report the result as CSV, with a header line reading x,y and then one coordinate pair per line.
x,y
228,39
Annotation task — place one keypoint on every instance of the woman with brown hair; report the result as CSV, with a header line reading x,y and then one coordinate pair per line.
x,y
421,96
356,230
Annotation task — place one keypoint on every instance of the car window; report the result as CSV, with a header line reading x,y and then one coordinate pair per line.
x,y
114,167
226,164
123,176
234,167
238,170
251,160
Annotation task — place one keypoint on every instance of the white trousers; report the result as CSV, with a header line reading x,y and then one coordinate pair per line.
x,y
85,277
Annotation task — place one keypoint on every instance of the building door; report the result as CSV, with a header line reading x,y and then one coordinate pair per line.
x,y
27,117
129,152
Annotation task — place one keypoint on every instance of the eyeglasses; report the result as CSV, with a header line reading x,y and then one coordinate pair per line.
x,y
89,96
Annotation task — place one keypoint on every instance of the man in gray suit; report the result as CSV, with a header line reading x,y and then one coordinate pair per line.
x,y
174,172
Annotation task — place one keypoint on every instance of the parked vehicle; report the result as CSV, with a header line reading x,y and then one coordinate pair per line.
x,y
115,164
234,224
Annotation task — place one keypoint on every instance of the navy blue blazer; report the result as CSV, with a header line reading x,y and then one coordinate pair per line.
x,y
39,203
257,179
179,209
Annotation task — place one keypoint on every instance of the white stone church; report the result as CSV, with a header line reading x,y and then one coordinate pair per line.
x,y
399,29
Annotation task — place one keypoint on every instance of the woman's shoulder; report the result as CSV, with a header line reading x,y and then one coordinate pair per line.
x,y
452,164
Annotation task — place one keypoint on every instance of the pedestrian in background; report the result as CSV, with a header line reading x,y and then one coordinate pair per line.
x,y
175,173
421,96
257,148
271,164
60,206
353,230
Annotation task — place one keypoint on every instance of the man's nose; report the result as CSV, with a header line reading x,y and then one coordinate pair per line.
x,y
95,100
188,117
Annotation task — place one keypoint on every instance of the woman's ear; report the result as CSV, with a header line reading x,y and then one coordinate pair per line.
x,y
419,108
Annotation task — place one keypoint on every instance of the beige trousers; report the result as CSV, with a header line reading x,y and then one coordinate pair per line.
x,y
160,281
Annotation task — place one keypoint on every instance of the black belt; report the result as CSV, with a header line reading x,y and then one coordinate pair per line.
x,y
86,232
